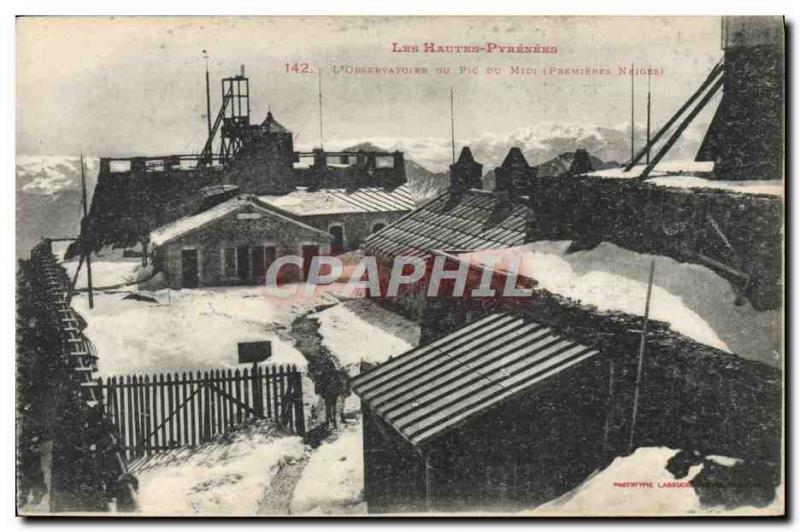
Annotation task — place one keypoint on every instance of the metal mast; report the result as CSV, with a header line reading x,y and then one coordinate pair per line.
x,y
86,250
633,153
648,116
452,127
208,95
319,94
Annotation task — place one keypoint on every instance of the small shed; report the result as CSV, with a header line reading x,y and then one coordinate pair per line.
x,y
234,243
499,415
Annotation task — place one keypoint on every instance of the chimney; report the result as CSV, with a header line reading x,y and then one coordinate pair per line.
x,y
514,176
318,169
465,173
581,164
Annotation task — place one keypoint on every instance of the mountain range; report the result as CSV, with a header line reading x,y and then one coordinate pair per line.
x,y
48,194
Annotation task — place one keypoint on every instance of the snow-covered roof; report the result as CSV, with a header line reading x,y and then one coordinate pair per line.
x,y
661,169
692,175
476,220
768,187
338,200
187,224
181,226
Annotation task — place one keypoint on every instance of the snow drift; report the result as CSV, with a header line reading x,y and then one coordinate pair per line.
x,y
692,299
227,477
333,481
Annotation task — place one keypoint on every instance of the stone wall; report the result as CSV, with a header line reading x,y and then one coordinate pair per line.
x,y
357,226
672,222
692,396
230,232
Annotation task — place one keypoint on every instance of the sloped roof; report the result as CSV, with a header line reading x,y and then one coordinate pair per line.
x,y
188,224
465,157
339,200
476,220
432,389
273,126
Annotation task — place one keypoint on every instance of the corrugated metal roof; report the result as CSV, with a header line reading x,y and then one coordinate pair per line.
x,y
432,389
479,220
339,200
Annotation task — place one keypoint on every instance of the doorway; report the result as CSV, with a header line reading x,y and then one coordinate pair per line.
x,y
190,275
309,252
337,245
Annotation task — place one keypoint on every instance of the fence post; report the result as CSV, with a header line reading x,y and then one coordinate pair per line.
x,y
147,417
137,421
299,413
206,410
276,394
258,401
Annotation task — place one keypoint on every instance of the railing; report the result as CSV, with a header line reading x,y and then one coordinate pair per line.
x,y
88,472
157,412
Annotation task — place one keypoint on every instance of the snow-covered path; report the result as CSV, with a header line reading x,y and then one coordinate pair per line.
x,y
333,481
227,477
277,498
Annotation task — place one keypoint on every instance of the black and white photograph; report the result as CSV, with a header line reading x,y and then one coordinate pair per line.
x,y
371,266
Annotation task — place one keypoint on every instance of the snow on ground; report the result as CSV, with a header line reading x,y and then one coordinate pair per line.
x,y
185,330
333,481
694,300
639,484
224,478
105,273
362,330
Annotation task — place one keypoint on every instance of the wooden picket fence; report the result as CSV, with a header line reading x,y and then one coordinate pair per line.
x,y
156,412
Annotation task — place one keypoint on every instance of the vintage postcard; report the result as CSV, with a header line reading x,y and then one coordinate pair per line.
x,y
370,266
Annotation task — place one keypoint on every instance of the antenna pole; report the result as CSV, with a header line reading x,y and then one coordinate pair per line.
x,y
648,116
641,354
452,127
85,250
208,95
321,137
633,153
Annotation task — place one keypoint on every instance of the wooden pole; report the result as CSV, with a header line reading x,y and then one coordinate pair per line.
x,y
681,127
648,115
633,149
426,461
610,404
74,280
321,136
641,354
715,72
86,250
208,95
452,126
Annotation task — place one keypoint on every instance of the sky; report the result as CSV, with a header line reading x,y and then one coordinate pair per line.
x,y
136,86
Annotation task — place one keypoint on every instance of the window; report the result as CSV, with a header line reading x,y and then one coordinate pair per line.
x,y
120,166
384,161
229,262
